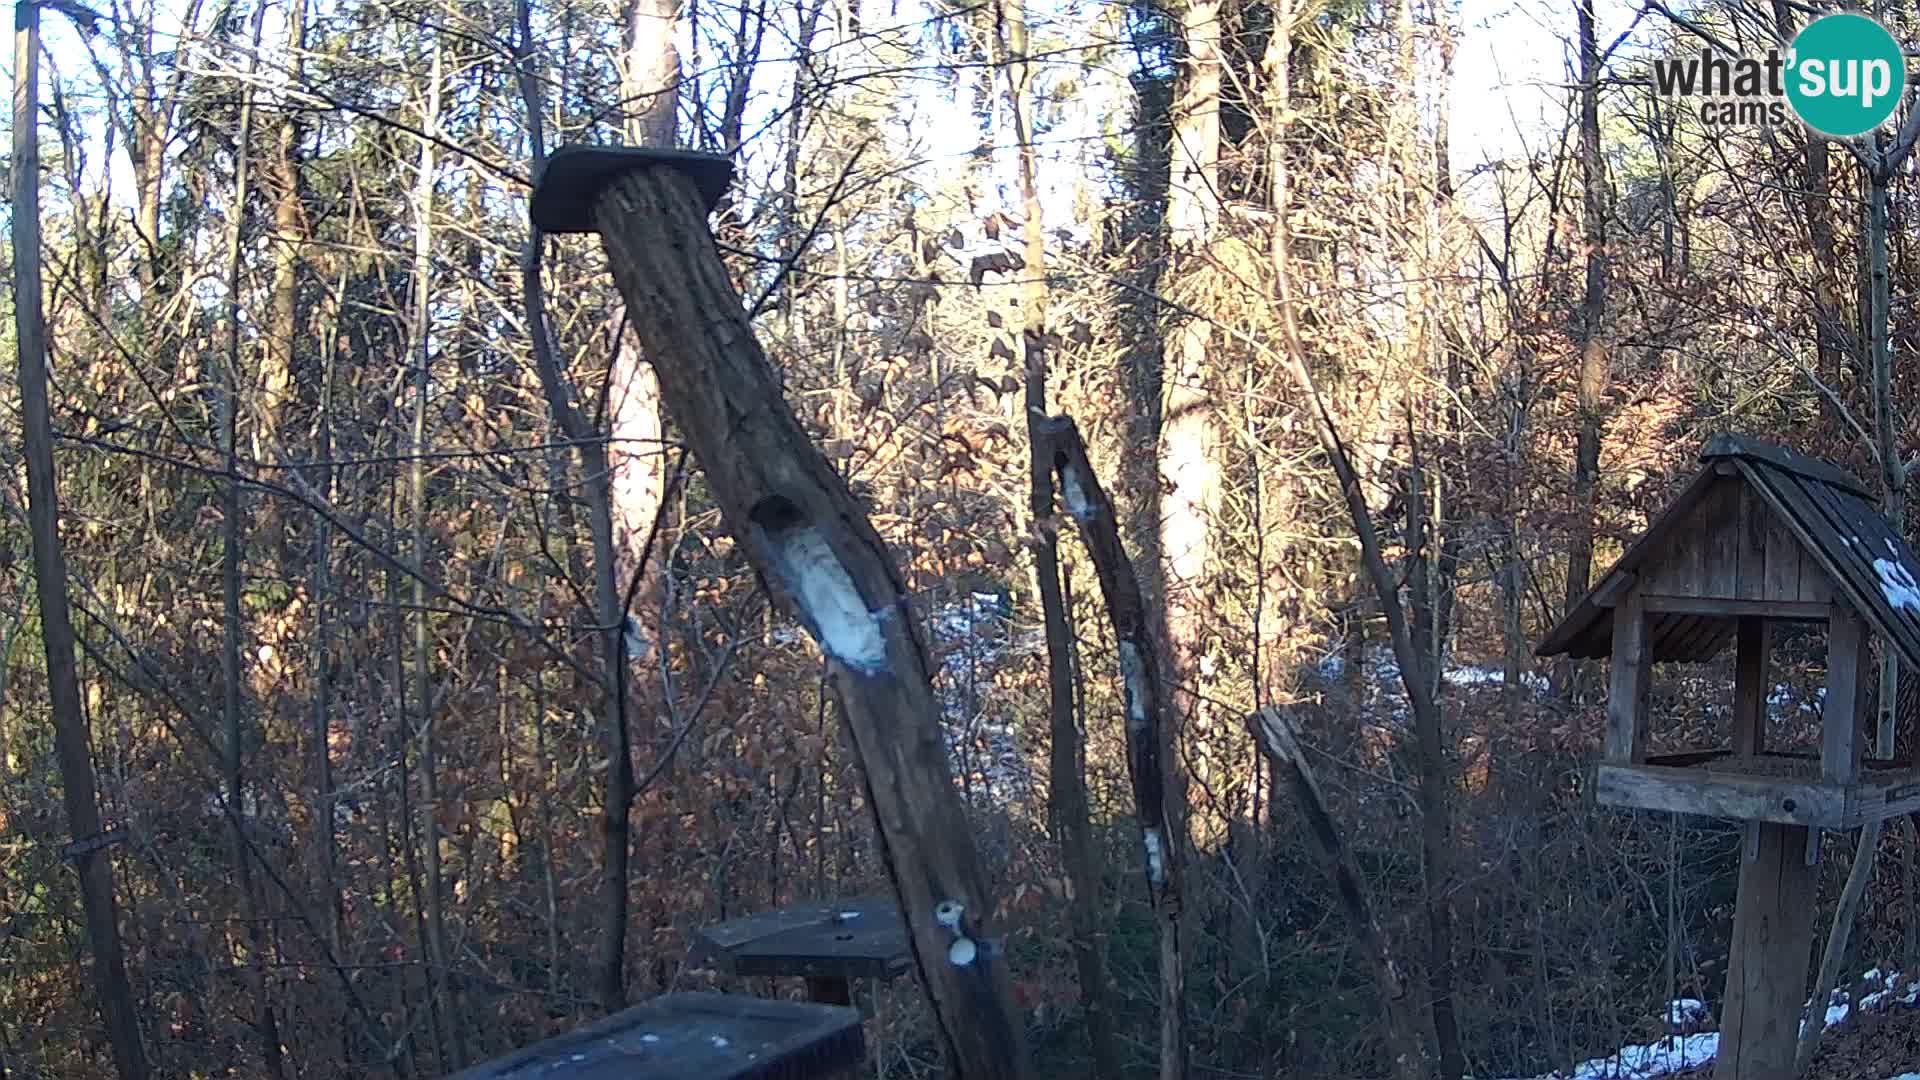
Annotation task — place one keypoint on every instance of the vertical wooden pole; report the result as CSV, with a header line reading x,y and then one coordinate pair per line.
x,y
1846,689
830,989
1753,638
1767,979
1627,683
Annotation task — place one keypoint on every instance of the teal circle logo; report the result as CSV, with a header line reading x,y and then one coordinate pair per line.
x,y
1845,75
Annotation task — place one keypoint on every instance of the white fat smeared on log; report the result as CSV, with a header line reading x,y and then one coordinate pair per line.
x,y
1074,493
829,602
1133,670
1156,865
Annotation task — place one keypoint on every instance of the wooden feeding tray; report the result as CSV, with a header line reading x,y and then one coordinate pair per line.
x,y
695,1037
1783,788
827,944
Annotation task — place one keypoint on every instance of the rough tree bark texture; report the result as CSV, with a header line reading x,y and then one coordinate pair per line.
x,y
1067,785
650,89
1274,734
815,548
93,866
1189,472
1149,738
1593,310
267,1027
289,228
421,321
635,478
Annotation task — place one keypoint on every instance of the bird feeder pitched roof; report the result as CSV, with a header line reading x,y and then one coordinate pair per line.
x,y
1768,531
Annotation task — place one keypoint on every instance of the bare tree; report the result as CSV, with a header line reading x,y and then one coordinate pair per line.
x,y
90,858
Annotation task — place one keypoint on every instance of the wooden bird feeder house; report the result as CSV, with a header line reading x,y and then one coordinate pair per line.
x,y
1761,536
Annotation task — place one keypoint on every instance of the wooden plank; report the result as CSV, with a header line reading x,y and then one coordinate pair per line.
x,y
1720,795
1719,540
1815,586
1767,977
1607,594
1791,461
1887,797
1676,568
1753,642
694,1036
855,940
1795,610
1814,522
1666,635
1686,758
1627,683
1750,553
1847,680
1703,634
1782,555
1872,540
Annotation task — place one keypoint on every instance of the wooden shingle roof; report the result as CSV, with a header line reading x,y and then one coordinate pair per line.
x,y
1840,535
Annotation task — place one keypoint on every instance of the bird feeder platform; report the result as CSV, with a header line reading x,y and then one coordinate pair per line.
x,y
696,1037
827,944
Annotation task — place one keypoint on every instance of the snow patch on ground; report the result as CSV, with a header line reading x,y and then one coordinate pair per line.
x,y
1687,1011
1676,1053
972,637
1669,1055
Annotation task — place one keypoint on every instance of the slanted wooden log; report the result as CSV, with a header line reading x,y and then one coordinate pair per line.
x,y
818,554
1161,831
1274,734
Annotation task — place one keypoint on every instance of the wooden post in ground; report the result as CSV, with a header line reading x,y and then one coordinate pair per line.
x,y
817,552
1772,939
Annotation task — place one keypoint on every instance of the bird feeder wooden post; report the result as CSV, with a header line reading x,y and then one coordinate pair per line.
x,y
1762,536
816,550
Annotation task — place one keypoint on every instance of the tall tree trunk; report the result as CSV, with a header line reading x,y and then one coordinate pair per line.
x,y
430,809
611,974
1592,321
321,584
238,811
1189,468
1067,784
91,863
289,223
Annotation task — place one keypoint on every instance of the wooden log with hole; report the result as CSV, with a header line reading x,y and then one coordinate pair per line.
x,y
818,554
